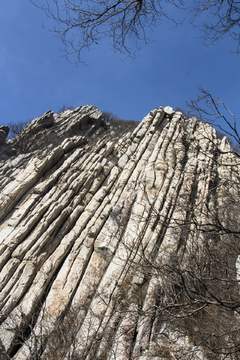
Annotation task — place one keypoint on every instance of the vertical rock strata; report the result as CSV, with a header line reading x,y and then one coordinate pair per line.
x,y
85,225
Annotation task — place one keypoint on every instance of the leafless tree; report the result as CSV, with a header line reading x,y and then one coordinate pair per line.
x,y
221,20
196,295
199,288
119,126
64,107
16,128
41,339
82,24
215,112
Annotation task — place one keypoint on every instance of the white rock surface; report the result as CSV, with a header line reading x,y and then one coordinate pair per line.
x,y
78,220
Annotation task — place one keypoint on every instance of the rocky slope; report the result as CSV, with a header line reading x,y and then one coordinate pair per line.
x,y
91,222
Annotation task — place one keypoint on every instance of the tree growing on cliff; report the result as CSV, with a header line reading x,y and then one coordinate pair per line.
x,y
198,291
16,128
82,24
214,112
118,125
195,306
63,108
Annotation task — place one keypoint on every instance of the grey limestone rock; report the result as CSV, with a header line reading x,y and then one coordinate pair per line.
x,y
89,222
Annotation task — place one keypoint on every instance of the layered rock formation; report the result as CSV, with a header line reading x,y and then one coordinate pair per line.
x,y
89,222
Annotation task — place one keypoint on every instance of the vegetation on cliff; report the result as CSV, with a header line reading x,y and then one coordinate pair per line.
x,y
121,247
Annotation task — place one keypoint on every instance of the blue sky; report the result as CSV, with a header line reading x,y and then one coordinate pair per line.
x,y
35,78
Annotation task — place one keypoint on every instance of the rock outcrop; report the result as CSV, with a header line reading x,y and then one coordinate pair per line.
x,y
5,149
90,222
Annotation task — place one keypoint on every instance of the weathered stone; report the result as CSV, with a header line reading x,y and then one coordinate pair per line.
x,y
4,130
169,111
82,221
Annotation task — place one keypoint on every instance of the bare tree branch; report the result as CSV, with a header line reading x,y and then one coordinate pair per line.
x,y
82,24
221,20
213,111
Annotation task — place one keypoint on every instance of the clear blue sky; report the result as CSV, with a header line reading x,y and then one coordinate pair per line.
x,y
35,78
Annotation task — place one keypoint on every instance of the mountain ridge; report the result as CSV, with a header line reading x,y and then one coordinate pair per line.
x,y
88,225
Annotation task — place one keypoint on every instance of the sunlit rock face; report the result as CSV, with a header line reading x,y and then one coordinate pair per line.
x,y
88,221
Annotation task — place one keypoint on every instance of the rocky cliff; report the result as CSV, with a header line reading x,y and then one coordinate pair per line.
x,y
119,247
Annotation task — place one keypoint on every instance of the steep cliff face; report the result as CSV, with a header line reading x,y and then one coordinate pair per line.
x,y
104,240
